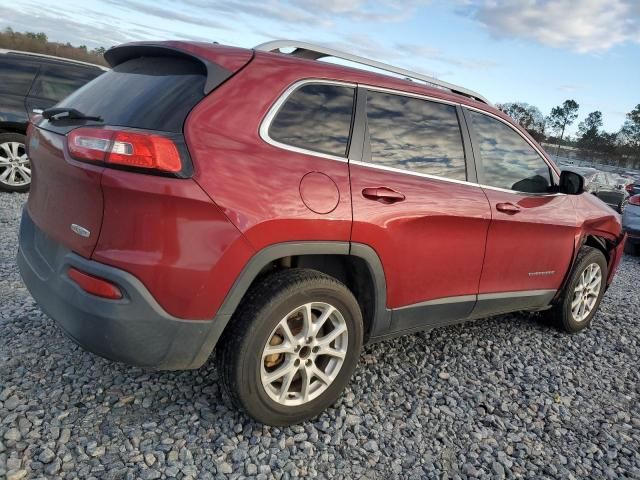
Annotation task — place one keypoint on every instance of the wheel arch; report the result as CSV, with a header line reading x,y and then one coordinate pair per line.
x,y
589,239
356,265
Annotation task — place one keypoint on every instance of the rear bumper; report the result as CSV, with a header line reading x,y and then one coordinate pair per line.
x,y
135,329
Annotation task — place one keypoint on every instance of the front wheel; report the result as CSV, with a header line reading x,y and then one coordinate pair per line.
x,y
291,347
15,168
583,293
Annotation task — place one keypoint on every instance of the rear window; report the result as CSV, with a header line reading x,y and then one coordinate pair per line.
x,y
56,82
316,117
154,93
16,75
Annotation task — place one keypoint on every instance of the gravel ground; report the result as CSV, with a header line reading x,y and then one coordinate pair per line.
x,y
505,397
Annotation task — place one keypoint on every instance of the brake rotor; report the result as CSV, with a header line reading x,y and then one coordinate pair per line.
x,y
274,359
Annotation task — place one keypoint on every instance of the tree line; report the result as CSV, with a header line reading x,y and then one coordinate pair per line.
x,y
39,43
621,147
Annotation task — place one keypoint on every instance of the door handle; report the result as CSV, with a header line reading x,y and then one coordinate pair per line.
x,y
384,195
507,207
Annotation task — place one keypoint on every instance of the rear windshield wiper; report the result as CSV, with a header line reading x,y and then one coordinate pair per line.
x,y
67,114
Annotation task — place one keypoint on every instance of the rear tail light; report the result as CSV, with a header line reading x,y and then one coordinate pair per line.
x,y
94,285
126,148
635,200
629,188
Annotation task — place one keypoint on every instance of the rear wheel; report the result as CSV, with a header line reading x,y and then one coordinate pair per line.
x,y
583,293
15,168
291,347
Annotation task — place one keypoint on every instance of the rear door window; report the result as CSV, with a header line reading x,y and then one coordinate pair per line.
x,y
17,75
508,161
154,93
55,82
316,117
416,135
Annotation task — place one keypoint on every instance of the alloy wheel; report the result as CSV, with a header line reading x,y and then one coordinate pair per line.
x,y
15,168
586,292
304,354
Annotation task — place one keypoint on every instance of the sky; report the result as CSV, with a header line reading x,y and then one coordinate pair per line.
x,y
537,51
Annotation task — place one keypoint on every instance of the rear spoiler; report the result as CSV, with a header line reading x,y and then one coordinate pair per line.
x,y
216,74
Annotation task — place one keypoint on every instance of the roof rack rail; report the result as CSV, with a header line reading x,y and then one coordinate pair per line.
x,y
53,57
315,52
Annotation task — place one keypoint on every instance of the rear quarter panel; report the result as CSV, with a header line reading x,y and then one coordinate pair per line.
x,y
255,184
169,235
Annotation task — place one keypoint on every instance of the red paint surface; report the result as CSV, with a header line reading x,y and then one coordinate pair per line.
x,y
169,234
187,240
319,193
432,243
539,238
63,192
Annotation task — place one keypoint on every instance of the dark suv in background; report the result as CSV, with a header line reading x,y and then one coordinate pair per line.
x,y
29,82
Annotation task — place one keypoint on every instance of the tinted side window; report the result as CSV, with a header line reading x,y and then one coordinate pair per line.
x,y
56,82
416,135
16,75
316,117
507,159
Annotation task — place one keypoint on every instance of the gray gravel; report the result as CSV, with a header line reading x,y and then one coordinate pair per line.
x,y
505,397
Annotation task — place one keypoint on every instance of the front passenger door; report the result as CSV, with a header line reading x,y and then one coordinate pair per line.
x,y
531,237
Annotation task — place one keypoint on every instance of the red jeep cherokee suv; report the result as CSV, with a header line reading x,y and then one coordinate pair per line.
x,y
286,210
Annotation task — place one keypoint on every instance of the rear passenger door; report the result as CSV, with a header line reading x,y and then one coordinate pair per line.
x,y
531,238
416,203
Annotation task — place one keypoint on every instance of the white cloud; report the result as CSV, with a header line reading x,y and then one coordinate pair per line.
x,y
583,26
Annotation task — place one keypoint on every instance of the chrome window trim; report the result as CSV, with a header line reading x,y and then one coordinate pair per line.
x,y
526,194
411,95
275,108
413,174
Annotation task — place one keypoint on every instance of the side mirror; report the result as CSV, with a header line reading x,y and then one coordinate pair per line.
x,y
571,183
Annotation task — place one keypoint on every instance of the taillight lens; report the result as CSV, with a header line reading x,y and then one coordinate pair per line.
x,y
121,147
635,200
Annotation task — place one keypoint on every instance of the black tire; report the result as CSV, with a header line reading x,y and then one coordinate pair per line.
x,y
621,206
561,313
239,351
19,138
